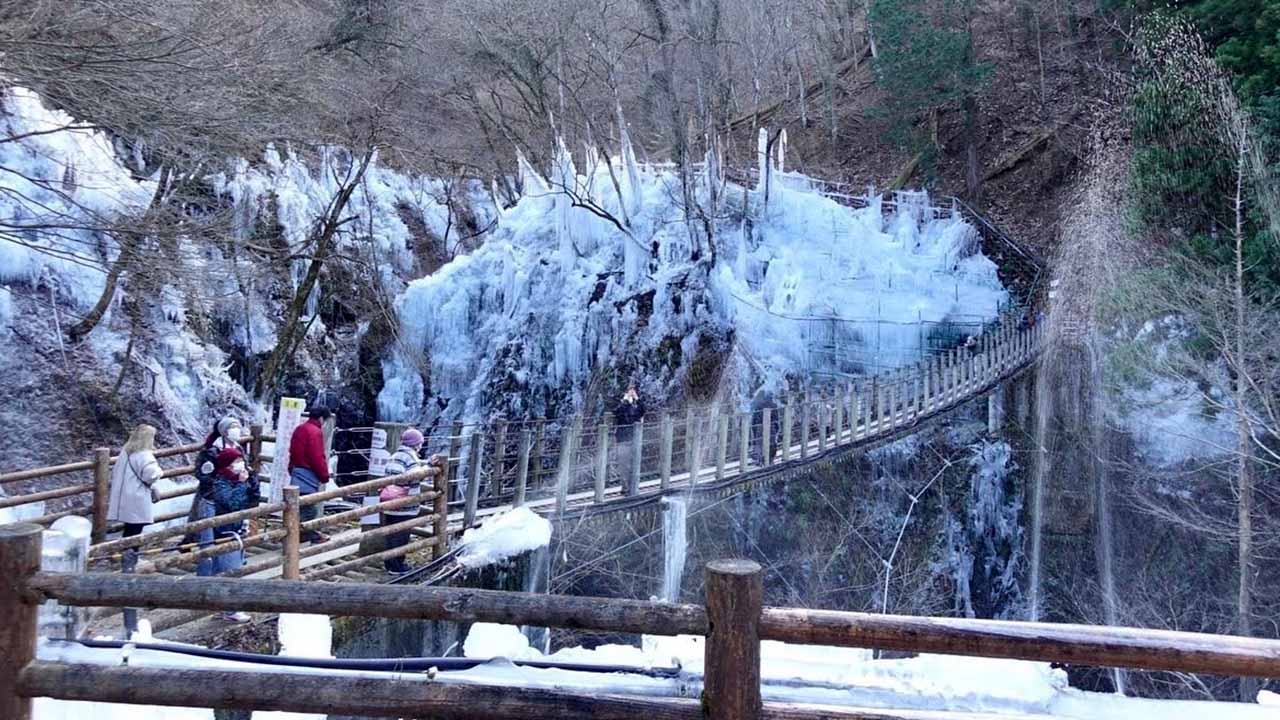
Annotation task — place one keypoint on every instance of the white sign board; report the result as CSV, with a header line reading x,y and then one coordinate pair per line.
x,y
288,419
378,439
378,457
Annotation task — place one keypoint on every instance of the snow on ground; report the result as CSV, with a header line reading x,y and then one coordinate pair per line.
x,y
505,536
308,636
1173,415
557,291
844,677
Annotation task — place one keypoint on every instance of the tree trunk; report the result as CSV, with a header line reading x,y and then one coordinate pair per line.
x,y
1244,481
129,243
324,236
871,34
972,161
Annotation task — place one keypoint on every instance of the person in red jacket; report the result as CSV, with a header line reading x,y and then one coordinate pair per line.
x,y
308,465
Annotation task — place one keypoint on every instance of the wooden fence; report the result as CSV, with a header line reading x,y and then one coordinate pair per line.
x,y
732,619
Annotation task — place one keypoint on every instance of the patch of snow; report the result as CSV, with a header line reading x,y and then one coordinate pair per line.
x,y
505,536
308,636
1171,422
491,640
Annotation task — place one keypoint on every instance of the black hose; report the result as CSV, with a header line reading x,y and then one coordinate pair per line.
x,y
412,664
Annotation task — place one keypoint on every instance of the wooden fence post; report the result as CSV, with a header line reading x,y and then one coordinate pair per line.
x,y
522,467
440,508
473,478
602,456
255,447
893,406
744,442
631,485
930,386
496,471
20,547
787,417
822,422
101,493
455,454
292,569
722,445
689,432
693,439
731,673
668,439
804,426
568,443
539,446
855,414
766,433
837,422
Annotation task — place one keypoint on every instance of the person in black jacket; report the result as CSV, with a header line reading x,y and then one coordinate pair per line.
x,y
628,415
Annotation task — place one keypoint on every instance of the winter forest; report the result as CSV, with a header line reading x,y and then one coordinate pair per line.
x,y
571,240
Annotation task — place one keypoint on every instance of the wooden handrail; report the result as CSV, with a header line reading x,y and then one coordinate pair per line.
x,y
732,620
1049,642
365,600
398,696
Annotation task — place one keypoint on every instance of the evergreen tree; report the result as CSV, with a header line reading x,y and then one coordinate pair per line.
x,y
926,60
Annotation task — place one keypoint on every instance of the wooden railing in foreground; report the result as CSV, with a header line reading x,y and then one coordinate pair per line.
x,y
733,620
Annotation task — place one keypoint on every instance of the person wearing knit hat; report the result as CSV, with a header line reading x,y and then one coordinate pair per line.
x,y
234,489
403,460
227,432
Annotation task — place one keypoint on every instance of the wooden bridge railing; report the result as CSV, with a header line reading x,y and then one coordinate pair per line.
x,y
733,620
562,464
513,464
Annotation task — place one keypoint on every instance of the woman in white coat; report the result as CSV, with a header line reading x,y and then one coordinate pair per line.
x,y
132,477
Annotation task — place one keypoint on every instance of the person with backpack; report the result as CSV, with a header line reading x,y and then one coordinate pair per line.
x,y
226,433
131,499
234,489
404,459
309,466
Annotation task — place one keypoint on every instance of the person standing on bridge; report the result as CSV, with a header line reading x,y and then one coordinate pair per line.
x,y
226,434
133,478
309,466
234,489
628,415
402,461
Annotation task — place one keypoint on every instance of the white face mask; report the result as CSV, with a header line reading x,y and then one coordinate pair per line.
x,y
234,433
237,467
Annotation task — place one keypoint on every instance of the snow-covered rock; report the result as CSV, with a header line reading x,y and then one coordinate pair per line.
x,y
514,532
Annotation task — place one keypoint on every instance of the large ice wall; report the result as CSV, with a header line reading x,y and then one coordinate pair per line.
x,y
600,270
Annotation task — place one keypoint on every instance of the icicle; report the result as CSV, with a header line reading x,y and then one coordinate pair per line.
x,y
781,152
633,187
564,179
593,164
531,182
497,201
762,158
